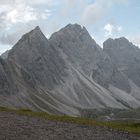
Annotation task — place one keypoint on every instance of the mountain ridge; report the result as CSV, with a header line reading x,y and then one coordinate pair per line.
x,y
69,72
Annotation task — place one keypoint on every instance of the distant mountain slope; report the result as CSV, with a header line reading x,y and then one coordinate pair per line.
x,y
126,56
64,74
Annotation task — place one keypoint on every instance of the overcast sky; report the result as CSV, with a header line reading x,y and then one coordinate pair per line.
x,y
102,18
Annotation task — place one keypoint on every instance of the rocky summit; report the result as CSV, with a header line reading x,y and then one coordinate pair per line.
x,y
70,72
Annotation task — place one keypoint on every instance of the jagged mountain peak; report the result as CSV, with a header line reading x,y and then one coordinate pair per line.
x,y
29,46
35,30
35,33
32,38
126,57
122,39
72,32
120,43
70,71
75,27
118,39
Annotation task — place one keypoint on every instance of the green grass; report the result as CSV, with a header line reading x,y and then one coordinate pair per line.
x,y
131,127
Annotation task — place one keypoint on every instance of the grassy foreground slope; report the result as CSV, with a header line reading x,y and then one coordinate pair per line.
x,y
132,127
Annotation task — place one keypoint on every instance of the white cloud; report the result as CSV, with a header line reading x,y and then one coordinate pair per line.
x,y
24,13
38,2
135,38
108,29
95,11
27,14
21,13
33,2
111,29
15,14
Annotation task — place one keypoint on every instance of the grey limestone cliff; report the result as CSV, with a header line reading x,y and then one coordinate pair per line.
x,y
67,73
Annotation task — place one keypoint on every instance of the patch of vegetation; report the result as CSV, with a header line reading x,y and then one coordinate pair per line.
x,y
25,110
97,113
4,109
132,127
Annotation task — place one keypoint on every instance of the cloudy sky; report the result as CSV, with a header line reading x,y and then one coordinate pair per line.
x,y
102,18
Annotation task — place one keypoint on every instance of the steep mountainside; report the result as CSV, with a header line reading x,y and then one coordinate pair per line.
x,y
65,74
83,52
126,56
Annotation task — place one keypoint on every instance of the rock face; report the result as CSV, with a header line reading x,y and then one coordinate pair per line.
x,y
126,56
83,52
34,54
69,72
